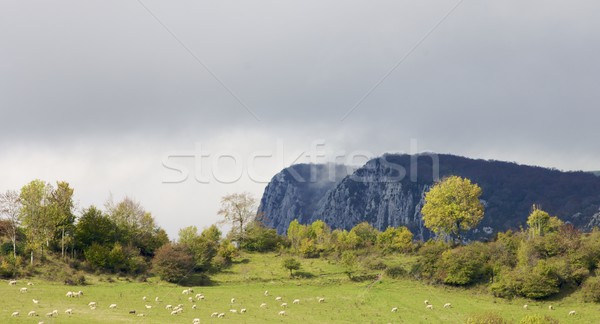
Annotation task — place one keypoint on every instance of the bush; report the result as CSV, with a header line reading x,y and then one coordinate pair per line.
x,y
395,272
486,318
291,264
538,319
172,262
463,265
591,290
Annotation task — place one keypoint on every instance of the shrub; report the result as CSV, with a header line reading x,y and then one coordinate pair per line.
x,y
291,264
172,262
463,265
395,272
538,319
591,290
486,318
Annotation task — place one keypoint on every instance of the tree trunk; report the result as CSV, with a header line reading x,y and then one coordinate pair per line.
x,y
62,243
14,242
31,260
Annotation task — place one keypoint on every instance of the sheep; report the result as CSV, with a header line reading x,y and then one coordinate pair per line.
x,y
78,294
187,291
42,322
266,293
69,311
190,299
29,283
199,296
157,300
395,310
180,306
69,294
92,304
282,313
221,315
233,300
141,315
571,313
148,306
263,305
426,302
525,307
243,310
234,311
132,312
447,305
214,314
144,298
429,306
12,283
49,314
169,307
284,305
93,307
550,307
194,306
278,298
55,312
174,313
196,321
321,300
23,290
15,314
35,301
296,301
112,306
32,313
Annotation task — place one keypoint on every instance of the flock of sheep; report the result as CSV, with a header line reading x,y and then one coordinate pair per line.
x,y
178,309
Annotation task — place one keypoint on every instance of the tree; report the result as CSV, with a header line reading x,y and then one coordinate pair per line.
x,y
173,262
366,234
541,223
36,215
452,206
10,208
61,201
295,233
291,264
94,227
240,210
203,246
395,240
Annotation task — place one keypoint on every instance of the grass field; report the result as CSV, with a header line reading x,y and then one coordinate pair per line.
x,y
246,281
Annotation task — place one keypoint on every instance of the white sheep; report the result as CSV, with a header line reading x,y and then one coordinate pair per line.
x,y
278,298
32,313
12,283
14,314
243,310
23,290
395,309
426,302
156,299
42,322
296,301
321,300
282,313
69,294
194,306
148,306
144,298
29,283
429,306
190,299
525,307
93,307
263,305
92,304
215,314
199,296
221,315
174,313
69,311
550,307
141,315
196,321
35,301
55,312
50,314
571,313
284,305
78,294
187,291
233,300
234,311
266,293
447,305
112,306
169,307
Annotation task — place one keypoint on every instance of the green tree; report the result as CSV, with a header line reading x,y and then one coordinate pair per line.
x,y
94,227
10,209
239,209
37,216
61,201
394,239
365,233
203,246
291,264
452,206
350,263
296,233
540,223
172,262
261,239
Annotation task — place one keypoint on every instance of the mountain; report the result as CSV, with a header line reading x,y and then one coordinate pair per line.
x,y
389,191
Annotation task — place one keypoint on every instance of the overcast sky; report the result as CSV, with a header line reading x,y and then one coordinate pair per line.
x,y
111,96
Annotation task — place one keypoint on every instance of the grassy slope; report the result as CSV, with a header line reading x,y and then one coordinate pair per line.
x,y
346,302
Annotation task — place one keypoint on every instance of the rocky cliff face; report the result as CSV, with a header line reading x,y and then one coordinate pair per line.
x,y
389,191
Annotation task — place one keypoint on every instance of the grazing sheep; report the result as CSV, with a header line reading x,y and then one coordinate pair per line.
x,y
69,294
395,309
215,314
148,306
35,301
234,311
196,321
243,310
78,294
169,307
296,301
12,283
232,300
429,306
278,299
525,307
447,305
263,305
284,305
92,304
144,298
221,315
282,313
194,306
174,312
180,306
55,312
23,290
93,307
29,283
321,300
132,312
69,311
266,293
190,299
426,302
50,314
41,322
112,306
187,291
32,313
141,315
15,314
572,313
550,307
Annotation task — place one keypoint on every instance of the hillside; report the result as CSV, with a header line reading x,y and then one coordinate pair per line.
x,y
384,192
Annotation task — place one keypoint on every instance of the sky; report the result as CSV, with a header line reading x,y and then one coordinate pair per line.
x,y
177,103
